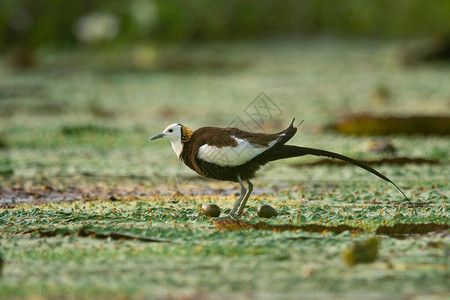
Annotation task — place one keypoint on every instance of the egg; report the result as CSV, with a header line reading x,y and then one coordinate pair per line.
x,y
211,210
266,211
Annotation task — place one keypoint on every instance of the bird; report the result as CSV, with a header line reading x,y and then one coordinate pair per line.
x,y
232,154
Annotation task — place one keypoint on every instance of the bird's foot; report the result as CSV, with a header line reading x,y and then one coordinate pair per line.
x,y
221,218
234,216
231,216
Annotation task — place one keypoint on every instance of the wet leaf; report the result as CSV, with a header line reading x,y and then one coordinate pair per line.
x,y
371,125
375,162
237,225
100,233
401,228
362,252
94,232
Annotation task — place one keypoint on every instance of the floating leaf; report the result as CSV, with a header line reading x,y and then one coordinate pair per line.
x,y
94,232
369,125
103,234
384,161
237,225
360,253
402,228
87,129
434,49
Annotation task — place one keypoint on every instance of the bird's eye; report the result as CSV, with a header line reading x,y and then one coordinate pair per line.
x,y
170,130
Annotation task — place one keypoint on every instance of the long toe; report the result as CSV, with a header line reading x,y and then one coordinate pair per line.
x,y
234,216
227,217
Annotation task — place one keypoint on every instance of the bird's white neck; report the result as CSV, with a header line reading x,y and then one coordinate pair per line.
x,y
177,147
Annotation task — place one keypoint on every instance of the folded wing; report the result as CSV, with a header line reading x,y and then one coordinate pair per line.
x,y
234,147
238,154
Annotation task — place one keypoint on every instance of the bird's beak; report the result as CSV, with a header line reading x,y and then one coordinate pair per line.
x,y
158,136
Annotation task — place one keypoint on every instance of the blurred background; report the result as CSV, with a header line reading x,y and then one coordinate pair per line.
x,y
53,23
83,84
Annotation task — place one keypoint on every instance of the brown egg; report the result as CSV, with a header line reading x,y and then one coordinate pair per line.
x,y
266,211
211,210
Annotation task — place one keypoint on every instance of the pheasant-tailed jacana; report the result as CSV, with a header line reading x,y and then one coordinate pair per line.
x,y
235,155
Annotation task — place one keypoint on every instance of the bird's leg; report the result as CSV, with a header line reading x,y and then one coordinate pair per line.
x,y
238,201
249,192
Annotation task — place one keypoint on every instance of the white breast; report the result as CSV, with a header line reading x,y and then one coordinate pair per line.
x,y
177,147
231,156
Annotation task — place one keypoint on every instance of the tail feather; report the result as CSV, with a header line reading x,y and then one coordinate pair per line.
x,y
287,151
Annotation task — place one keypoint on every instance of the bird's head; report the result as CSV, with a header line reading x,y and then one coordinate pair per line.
x,y
173,132
177,134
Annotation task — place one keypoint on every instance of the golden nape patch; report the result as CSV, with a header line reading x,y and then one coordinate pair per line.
x,y
186,134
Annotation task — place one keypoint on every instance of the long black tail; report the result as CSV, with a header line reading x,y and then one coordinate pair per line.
x,y
287,151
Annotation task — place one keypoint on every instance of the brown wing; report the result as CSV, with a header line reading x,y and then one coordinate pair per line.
x,y
226,137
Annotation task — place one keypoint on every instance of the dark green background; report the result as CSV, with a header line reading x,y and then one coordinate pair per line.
x,y
52,22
